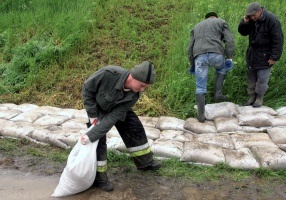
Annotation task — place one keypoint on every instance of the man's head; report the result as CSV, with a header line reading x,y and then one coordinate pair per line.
x,y
211,14
142,76
144,72
253,11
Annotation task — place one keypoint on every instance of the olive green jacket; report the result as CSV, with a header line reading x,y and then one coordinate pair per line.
x,y
211,35
105,99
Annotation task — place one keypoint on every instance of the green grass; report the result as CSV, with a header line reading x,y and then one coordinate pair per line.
x,y
13,147
49,47
171,167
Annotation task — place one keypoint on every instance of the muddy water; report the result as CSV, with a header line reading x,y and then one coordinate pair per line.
x,y
16,185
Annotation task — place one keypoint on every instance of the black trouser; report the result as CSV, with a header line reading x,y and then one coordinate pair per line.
x,y
133,134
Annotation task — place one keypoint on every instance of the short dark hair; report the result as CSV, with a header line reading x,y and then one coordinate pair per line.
x,y
211,14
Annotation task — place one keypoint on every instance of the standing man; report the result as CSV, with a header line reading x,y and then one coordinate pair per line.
x,y
109,95
264,49
211,44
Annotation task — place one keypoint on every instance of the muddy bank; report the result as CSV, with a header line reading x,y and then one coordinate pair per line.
x,y
32,178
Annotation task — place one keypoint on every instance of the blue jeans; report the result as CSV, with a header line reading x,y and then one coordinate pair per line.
x,y
202,64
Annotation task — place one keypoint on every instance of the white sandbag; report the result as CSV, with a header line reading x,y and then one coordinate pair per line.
x,y
113,143
277,135
193,125
8,114
179,136
270,157
281,111
80,113
67,136
70,139
223,109
198,152
5,123
46,110
167,148
10,106
40,135
152,132
241,159
113,132
170,123
2,107
248,140
279,120
251,129
256,120
80,171
149,121
252,110
282,146
222,140
18,130
54,139
27,117
27,107
66,112
227,124
51,120
76,123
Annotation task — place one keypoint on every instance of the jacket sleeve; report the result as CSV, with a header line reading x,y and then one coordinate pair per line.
x,y
228,39
190,49
277,38
110,119
89,90
244,28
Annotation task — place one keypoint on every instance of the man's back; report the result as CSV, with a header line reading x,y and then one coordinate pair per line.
x,y
208,35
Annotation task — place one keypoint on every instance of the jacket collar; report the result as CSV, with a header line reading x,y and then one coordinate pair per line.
x,y
120,83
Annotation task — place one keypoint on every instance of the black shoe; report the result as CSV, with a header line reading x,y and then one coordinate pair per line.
x,y
104,185
155,165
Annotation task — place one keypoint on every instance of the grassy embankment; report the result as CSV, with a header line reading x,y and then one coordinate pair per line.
x,y
49,47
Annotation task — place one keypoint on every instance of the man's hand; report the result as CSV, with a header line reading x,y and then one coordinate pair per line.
x,y
192,70
271,62
246,19
84,139
228,64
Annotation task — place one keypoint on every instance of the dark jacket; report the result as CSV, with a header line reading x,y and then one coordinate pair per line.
x,y
211,35
105,99
265,40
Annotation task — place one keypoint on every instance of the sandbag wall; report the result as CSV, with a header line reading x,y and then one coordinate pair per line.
x,y
241,136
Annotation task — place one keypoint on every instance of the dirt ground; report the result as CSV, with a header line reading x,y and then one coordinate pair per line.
x,y
139,185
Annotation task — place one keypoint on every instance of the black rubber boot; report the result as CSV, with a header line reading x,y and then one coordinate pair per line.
x,y
101,182
201,107
219,96
104,185
259,101
154,165
251,99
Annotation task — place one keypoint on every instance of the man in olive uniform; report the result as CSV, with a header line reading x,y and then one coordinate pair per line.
x,y
109,95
